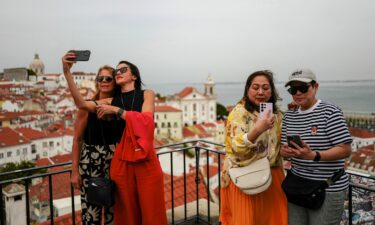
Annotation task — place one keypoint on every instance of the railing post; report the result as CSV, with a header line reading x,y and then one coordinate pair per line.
x,y
27,202
350,195
172,187
2,206
73,203
185,200
51,200
208,186
197,153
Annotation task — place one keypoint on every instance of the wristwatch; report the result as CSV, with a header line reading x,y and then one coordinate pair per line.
x,y
317,156
119,113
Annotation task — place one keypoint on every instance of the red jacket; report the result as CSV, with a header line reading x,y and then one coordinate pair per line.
x,y
137,141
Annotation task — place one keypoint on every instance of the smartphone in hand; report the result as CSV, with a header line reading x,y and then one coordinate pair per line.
x,y
264,107
81,55
296,139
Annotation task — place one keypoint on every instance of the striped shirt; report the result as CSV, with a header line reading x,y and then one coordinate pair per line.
x,y
321,127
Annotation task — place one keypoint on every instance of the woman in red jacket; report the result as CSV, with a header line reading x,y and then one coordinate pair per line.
x,y
139,195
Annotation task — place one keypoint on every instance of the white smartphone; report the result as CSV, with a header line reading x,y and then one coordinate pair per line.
x,y
264,107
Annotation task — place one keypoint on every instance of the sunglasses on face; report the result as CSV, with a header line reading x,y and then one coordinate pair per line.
x,y
121,70
301,88
104,78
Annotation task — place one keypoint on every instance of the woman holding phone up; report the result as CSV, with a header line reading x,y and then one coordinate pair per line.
x,y
249,138
135,169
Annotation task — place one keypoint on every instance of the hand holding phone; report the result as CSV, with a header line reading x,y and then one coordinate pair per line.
x,y
296,139
265,108
81,55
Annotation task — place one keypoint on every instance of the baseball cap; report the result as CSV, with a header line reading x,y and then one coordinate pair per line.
x,y
302,75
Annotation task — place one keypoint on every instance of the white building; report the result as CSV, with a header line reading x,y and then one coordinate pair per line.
x,y
15,204
168,122
196,107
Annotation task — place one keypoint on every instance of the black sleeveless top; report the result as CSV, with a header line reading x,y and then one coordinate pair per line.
x,y
99,132
129,101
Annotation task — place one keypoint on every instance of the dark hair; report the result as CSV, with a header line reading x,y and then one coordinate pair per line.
x,y
251,107
135,71
116,87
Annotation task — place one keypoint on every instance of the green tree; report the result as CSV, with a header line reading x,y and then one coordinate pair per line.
x,y
222,112
9,167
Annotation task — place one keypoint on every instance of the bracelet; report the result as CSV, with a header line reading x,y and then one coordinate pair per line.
x,y
317,156
119,113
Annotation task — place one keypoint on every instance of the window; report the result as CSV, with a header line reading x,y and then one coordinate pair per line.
x,y
156,125
169,124
162,124
175,125
193,96
33,149
44,153
194,107
44,144
165,116
9,154
18,152
185,108
51,144
1,155
58,144
18,198
157,116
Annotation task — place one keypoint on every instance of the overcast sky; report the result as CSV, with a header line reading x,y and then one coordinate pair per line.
x,y
185,40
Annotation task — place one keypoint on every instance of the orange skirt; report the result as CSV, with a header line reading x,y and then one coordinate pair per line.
x,y
266,208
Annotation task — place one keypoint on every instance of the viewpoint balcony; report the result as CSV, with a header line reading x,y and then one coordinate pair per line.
x,y
191,184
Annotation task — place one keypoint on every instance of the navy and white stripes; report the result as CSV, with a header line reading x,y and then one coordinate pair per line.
x,y
321,127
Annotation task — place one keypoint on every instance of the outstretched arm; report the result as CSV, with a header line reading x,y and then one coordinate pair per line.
x,y
67,63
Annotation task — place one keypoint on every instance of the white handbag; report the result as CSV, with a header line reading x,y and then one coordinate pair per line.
x,y
254,178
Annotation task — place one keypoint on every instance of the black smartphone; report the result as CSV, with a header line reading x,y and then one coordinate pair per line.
x,y
296,139
81,55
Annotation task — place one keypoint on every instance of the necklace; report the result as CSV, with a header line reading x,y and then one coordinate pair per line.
x,y
122,101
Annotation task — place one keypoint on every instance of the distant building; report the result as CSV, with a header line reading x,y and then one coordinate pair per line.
x,y
37,65
361,138
196,107
15,204
168,122
17,74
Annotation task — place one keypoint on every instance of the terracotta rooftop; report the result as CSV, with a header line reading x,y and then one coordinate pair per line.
x,y
9,137
178,187
166,109
356,132
30,133
186,91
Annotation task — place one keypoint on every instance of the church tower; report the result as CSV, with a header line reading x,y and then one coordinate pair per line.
x,y
37,65
209,87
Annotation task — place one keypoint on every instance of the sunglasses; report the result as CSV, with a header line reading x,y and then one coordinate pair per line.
x,y
104,78
121,70
301,88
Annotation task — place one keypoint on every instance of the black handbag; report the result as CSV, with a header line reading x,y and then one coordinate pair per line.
x,y
305,192
100,190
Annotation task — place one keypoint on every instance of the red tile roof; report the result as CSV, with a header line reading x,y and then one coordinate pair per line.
x,y
166,109
178,190
356,132
9,137
187,133
186,91
30,133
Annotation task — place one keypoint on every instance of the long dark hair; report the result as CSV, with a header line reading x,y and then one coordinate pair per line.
x,y
116,88
135,71
251,107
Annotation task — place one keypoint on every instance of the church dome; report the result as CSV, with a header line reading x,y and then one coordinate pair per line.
x,y
37,65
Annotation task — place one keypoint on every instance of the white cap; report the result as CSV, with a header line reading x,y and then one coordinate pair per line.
x,y
302,75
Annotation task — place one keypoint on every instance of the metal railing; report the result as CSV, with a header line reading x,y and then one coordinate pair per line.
x,y
183,148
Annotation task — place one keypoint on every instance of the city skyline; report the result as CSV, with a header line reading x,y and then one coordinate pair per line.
x,y
174,41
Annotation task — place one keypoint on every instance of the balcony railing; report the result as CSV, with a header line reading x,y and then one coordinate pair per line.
x,y
190,212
